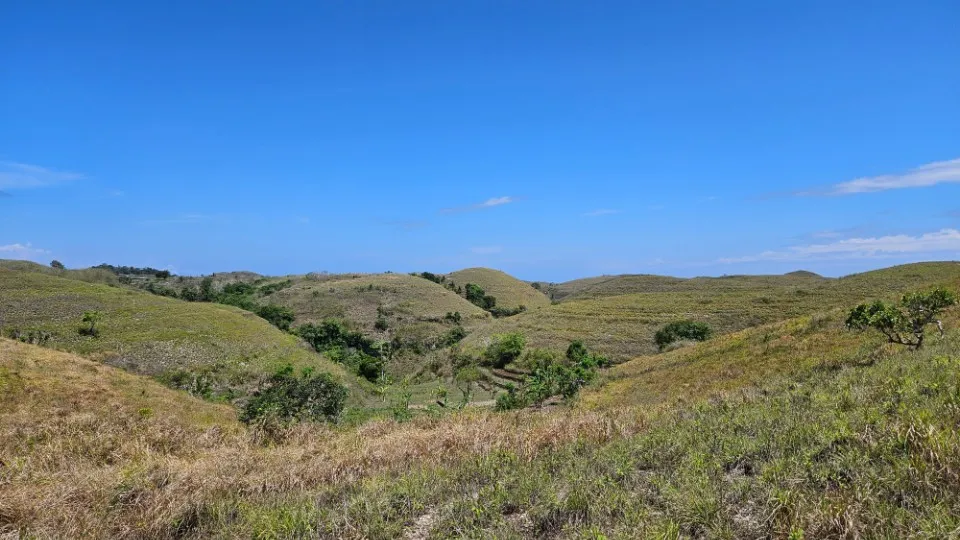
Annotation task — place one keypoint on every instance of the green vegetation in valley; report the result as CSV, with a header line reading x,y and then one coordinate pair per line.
x,y
161,337
859,441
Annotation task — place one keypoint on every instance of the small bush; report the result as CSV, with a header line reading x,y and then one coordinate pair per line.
x,y
288,397
677,330
505,349
280,316
90,318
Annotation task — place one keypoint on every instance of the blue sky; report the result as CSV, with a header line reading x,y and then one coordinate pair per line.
x,y
553,140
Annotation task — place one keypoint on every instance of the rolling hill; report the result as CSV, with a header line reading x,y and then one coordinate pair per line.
x,y
149,334
864,447
510,292
605,286
622,326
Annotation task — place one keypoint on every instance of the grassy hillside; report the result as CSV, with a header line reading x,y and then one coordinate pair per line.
x,y
604,286
509,291
623,326
863,448
149,334
90,275
403,299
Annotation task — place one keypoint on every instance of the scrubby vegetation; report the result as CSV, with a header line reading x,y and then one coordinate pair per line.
x,y
681,330
286,397
550,375
906,323
468,426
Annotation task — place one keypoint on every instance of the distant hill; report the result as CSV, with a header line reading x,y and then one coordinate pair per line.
x,y
599,287
509,291
623,325
149,334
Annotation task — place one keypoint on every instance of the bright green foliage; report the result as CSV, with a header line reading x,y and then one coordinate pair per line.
x,y
552,375
346,347
678,330
91,318
903,323
286,396
478,297
279,316
505,349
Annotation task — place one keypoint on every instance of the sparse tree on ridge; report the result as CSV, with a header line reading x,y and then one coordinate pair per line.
x,y
903,323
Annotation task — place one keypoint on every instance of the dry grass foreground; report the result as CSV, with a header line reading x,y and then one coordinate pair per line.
x,y
868,448
92,451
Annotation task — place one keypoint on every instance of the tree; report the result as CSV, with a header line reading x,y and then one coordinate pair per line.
x,y
505,349
677,330
279,316
903,323
478,297
285,396
577,351
57,264
91,318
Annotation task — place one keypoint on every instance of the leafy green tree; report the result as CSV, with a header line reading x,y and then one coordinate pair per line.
x,y
478,297
685,329
91,318
466,380
577,351
286,396
906,322
57,265
280,316
505,349
207,292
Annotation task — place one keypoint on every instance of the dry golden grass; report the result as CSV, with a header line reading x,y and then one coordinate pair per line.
x,y
91,451
509,291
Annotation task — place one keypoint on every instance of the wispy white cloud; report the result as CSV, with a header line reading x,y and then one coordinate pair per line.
x,y
304,220
601,212
23,176
486,250
489,203
496,201
944,240
21,251
931,174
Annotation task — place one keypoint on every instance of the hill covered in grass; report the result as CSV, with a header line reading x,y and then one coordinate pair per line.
x,y
149,334
604,286
858,445
622,326
510,292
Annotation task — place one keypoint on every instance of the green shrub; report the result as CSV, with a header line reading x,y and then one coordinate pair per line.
x,y
552,375
90,318
478,297
677,330
288,397
505,349
280,316
906,322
